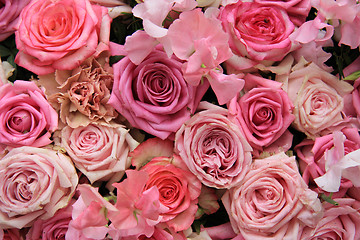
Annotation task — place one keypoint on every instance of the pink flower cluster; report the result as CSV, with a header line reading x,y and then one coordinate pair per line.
x,y
214,119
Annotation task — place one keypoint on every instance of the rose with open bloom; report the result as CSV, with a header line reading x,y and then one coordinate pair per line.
x,y
81,95
26,116
318,99
178,189
60,34
213,148
153,95
99,151
34,184
264,112
272,200
9,16
339,222
52,228
257,33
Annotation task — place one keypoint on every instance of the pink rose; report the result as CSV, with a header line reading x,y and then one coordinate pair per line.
x,y
312,159
214,148
264,112
272,200
81,95
153,96
318,99
35,183
356,97
339,222
10,234
100,152
297,10
178,189
257,33
53,228
60,34
26,116
9,16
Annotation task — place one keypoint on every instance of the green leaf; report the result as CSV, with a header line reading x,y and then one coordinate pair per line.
x,y
353,76
4,52
114,59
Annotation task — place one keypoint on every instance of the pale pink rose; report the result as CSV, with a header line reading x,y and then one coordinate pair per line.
x,y
53,228
356,97
35,183
9,16
60,34
272,201
317,96
213,148
257,33
178,189
81,95
10,234
26,116
99,151
153,96
312,161
138,210
297,10
339,222
264,112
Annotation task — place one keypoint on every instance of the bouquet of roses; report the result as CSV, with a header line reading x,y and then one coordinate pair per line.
x,y
179,119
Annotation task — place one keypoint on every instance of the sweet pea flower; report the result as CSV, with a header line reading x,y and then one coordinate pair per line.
x,y
313,161
338,165
344,14
9,16
138,210
204,47
61,35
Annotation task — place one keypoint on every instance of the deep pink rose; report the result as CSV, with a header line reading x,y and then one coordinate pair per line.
x,y
297,10
213,148
60,34
26,116
312,161
10,234
264,112
153,96
34,184
99,151
53,228
272,200
339,222
9,16
178,189
257,33
318,99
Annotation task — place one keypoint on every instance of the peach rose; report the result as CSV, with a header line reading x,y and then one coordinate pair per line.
x,y
60,34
